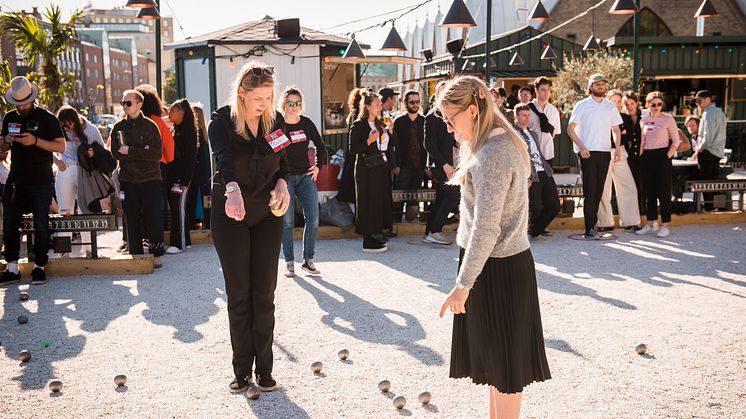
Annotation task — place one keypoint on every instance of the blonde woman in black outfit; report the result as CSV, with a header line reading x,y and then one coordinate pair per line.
x,y
369,141
248,142
180,171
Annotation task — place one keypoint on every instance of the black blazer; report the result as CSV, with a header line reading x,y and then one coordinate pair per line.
x,y
359,132
439,143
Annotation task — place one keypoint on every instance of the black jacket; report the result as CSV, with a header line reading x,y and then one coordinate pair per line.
x,y
143,140
439,143
402,126
181,169
631,135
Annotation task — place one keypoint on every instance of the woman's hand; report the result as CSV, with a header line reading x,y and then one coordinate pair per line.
x,y
314,172
61,166
372,137
282,196
456,301
234,207
671,153
90,151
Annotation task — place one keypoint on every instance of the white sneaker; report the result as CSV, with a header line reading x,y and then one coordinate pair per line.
x,y
645,230
173,250
663,232
437,238
289,269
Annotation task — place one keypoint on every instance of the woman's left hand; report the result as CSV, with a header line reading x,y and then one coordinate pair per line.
x,y
456,301
671,153
314,172
282,195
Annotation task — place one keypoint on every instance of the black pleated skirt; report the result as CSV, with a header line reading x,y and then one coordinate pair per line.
x,y
499,341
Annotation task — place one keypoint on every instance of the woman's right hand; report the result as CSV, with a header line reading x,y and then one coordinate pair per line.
x,y
61,166
234,207
372,137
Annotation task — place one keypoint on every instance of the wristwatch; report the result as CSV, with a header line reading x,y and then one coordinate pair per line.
x,y
231,188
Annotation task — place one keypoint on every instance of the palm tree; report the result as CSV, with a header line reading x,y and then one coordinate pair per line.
x,y
33,42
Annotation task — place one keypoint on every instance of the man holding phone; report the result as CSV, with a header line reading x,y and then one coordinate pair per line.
x,y
32,134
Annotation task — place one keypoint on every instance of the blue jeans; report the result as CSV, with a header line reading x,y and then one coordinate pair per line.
x,y
304,188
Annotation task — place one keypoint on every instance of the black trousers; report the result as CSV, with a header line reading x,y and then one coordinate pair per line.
x,y
634,166
177,204
143,208
248,251
709,169
657,170
543,204
16,199
593,170
446,200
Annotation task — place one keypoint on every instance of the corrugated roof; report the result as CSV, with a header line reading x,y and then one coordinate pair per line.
x,y
261,32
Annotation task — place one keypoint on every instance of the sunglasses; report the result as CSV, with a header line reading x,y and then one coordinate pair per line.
x,y
126,103
297,104
260,71
414,102
656,105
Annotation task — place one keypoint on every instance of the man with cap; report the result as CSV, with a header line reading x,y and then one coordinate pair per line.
x,y
32,134
711,141
590,123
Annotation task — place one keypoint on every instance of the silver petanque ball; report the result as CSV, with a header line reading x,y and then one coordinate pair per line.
x,y
120,380
384,386
55,386
24,356
253,392
344,354
641,349
425,397
24,296
22,319
400,402
316,367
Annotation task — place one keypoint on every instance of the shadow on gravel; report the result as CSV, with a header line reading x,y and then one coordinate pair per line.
x,y
276,405
369,323
553,280
562,345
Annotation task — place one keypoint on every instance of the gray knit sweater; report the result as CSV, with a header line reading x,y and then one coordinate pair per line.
x,y
494,206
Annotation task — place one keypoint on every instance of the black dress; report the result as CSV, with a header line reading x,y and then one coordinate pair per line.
x,y
373,185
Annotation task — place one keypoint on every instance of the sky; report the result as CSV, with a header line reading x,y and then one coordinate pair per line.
x,y
196,19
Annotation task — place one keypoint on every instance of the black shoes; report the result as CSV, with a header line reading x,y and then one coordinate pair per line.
x,y
592,235
266,382
7,277
239,385
633,229
38,276
604,229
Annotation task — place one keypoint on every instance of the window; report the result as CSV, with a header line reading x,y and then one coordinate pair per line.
x,y
572,37
165,33
95,72
650,25
88,72
106,20
87,57
95,58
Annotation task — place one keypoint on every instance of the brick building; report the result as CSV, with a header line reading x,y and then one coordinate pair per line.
x,y
120,62
93,78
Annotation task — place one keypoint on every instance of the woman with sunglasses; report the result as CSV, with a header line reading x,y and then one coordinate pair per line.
x,y
249,197
369,141
306,154
180,171
660,139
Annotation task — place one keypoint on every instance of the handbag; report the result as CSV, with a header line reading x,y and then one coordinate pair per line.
x,y
374,160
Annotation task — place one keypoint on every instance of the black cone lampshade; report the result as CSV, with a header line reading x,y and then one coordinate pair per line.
x,y
458,16
149,13
624,7
706,9
393,42
592,44
539,13
353,50
548,53
141,4
516,60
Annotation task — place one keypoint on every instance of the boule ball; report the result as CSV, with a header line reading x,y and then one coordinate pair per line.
x,y
253,393
425,397
316,367
344,354
400,402
24,296
24,356
120,380
22,319
384,386
55,386
641,348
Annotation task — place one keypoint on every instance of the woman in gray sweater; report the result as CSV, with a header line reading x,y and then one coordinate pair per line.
x,y
497,333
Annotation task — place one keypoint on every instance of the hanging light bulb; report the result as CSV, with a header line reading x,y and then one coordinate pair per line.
x,y
231,63
548,53
458,16
516,60
393,42
706,9
592,44
539,13
353,50
624,7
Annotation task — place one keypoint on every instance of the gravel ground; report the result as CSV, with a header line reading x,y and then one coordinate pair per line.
x,y
684,296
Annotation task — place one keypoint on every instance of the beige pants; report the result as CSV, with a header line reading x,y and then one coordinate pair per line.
x,y
626,194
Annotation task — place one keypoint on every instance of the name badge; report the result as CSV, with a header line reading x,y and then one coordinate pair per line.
x,y
298,136
14,128
277,140
650,126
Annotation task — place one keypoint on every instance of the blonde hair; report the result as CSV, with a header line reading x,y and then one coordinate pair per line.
x,y
463,92
246,80
290,90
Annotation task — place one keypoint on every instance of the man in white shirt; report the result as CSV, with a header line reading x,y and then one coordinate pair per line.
x,y
590,123
541,109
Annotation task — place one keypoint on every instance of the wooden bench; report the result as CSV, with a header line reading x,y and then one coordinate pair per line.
x,y
700,187
92,223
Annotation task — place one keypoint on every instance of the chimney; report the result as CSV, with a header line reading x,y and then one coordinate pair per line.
x,y
35,12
